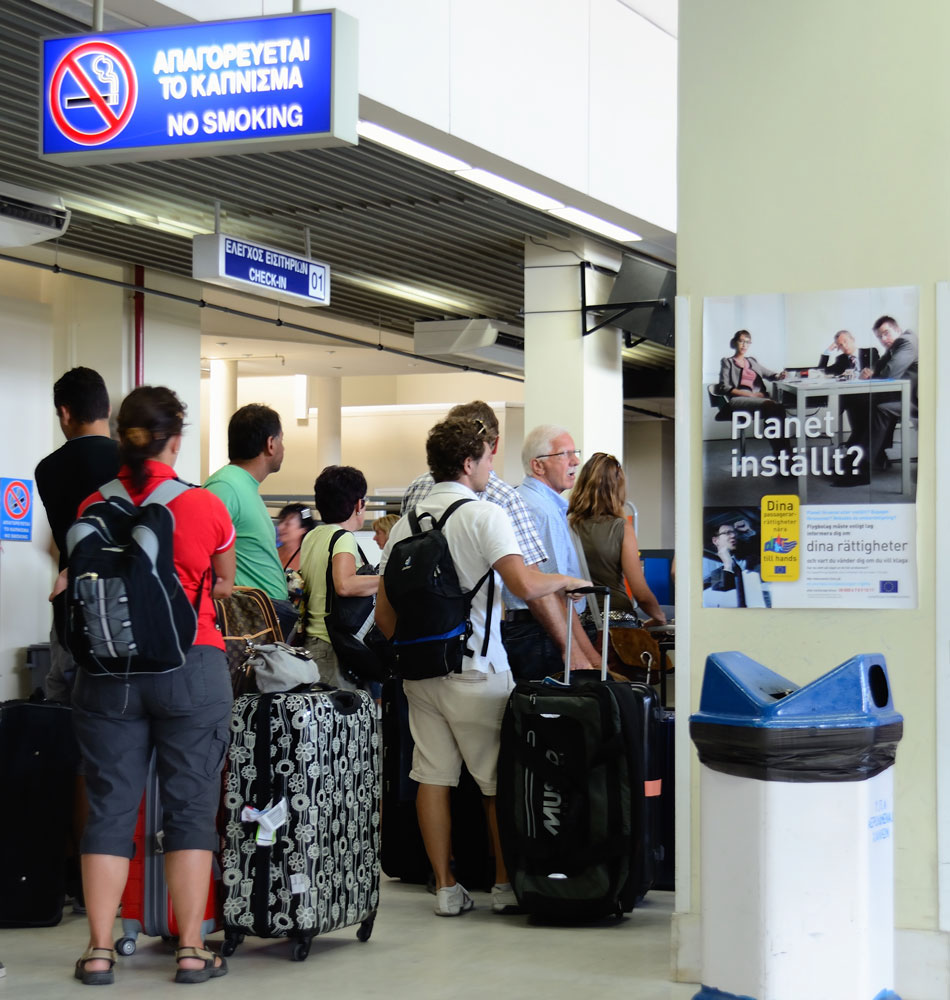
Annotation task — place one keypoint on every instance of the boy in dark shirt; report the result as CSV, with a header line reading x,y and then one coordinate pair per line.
x,y
65,478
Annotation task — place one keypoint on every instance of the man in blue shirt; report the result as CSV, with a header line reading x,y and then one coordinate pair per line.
x,y
550,462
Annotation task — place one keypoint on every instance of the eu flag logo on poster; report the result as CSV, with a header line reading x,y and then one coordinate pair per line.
x,y
888,586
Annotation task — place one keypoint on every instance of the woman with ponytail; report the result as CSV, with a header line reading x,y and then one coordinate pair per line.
x,y
182,714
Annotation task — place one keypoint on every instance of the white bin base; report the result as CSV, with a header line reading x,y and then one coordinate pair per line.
x,y
797,889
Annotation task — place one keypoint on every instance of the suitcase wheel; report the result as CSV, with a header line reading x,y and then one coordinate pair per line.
x,y
365,929
300,950
230,943
125,946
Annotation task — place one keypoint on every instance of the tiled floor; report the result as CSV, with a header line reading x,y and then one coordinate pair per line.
x,y
412,954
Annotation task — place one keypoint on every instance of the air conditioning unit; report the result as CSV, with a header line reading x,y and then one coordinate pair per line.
x,y
483,343
28,217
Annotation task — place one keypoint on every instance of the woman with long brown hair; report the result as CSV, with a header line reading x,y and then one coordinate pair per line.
x,y
596,513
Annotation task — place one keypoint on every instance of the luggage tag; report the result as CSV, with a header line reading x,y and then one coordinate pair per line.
x,y
268,820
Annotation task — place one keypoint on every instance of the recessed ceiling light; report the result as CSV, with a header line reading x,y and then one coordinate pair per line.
x,y
402,144
596,225
517,192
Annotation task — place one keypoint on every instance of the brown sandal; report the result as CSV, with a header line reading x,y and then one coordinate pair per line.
x,y
210,970
101,977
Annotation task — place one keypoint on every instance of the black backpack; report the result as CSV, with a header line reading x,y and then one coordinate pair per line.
x,y
432,610
361,649
126,611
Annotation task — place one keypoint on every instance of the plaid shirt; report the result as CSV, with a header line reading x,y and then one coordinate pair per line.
x,y
497,492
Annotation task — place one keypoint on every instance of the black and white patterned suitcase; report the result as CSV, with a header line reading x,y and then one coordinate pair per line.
x,y
309,765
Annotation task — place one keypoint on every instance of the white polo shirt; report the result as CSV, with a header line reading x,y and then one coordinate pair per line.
x,y
478,535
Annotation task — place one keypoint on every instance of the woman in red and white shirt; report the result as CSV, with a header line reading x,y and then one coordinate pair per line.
x,y
183,714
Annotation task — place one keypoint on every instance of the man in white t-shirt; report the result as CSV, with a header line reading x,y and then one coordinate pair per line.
x,y
457,717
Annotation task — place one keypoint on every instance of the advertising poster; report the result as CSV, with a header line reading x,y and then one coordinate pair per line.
x,y
810,449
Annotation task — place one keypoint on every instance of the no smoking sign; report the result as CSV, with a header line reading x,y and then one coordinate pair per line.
x,y
92,92
16,510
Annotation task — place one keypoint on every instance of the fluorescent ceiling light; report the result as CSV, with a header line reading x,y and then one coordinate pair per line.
x,y
130,216
409,293
596,225
369,130
517,192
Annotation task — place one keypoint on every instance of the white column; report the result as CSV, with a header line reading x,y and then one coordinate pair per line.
x,y
326,392
571,380
222,404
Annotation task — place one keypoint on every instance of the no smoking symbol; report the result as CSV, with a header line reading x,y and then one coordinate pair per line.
x,y
16,501
92,93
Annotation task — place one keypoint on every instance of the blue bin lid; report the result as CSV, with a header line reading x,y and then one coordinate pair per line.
x,y
739,691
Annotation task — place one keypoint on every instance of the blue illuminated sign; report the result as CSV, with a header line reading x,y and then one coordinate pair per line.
x,y
200,89
252,267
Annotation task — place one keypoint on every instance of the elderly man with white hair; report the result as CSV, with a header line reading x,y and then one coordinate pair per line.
x,y
550,462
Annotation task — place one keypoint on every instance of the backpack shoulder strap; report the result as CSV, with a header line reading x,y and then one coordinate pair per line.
x,y
458,503
114,490
165,492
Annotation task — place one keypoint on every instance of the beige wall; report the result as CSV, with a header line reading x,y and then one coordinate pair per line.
x,y
385,422
813,152
648,465
51,322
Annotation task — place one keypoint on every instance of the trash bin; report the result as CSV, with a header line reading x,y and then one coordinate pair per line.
x,y
38,663
797,831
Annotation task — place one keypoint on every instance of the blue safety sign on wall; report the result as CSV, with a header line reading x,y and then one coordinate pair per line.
x,y
16,510
253,267
200,89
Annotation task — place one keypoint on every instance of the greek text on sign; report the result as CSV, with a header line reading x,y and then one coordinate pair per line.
x,y
16,510
252,267
201,89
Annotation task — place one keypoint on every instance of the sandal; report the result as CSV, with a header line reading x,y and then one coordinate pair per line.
x,y
210,970
98,978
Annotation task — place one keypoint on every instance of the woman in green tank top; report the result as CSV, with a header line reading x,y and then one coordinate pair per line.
x,y
596,513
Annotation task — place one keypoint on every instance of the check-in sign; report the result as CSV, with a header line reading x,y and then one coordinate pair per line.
x,y
201,89
252,267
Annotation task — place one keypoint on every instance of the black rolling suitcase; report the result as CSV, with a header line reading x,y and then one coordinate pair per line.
x,y
402,852
301,814
38,757
578,787
666,833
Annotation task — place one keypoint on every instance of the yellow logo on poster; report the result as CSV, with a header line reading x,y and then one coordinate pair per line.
x,y
780,538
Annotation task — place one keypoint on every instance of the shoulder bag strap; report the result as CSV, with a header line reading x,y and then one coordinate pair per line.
x,y
585,572
337,535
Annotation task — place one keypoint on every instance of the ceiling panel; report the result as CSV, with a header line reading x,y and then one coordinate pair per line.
x,y
379,218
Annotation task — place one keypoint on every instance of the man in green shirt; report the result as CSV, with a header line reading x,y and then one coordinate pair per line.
x,y
255,450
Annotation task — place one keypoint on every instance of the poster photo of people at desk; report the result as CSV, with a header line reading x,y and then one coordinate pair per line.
x,y
810,443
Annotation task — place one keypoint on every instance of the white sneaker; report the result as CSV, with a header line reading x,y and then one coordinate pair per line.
x,y
503,899
452,900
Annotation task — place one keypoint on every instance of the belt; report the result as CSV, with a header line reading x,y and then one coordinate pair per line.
x,y
519,615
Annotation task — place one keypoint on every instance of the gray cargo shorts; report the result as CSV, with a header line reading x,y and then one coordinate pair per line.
x,y
185,716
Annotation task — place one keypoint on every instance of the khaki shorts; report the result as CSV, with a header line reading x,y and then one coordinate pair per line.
x,y
457,718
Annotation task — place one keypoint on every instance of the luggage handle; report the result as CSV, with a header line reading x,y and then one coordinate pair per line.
x,y
605,592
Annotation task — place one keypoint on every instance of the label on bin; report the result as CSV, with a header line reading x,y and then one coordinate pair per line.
x,y
880,820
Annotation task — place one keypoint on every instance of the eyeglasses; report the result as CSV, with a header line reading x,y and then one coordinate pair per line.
x,y
562,454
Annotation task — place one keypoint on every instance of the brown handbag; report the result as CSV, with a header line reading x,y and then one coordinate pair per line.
x,y
633,653
246,617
